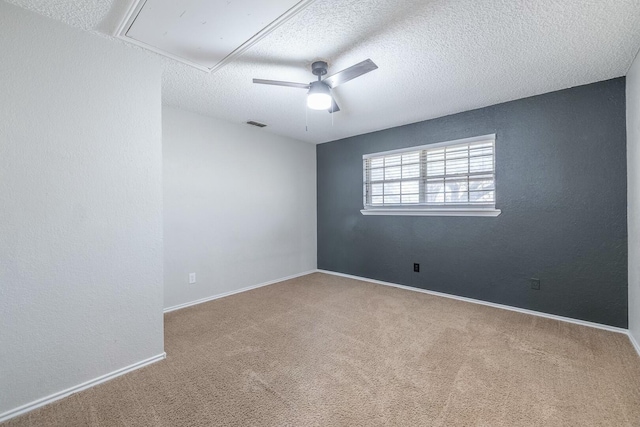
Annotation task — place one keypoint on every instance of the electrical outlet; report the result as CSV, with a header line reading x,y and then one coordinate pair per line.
x,y
416,267
192,278
535,284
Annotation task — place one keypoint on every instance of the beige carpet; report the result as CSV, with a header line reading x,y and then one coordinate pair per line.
x,y
327,351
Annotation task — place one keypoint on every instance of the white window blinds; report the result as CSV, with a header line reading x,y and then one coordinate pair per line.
x,y
451,174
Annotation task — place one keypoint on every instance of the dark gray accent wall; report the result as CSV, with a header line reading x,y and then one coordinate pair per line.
x,y
561,186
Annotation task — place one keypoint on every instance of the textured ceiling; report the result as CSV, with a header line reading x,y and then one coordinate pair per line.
x,y
436,57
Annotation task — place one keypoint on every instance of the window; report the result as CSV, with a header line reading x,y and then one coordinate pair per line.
x,y
448,178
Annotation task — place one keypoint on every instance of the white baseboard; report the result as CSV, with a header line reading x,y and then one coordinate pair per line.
x,y
634,343
489,304
64,393
226,294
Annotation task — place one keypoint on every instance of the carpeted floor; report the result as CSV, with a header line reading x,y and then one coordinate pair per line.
x,y
322,350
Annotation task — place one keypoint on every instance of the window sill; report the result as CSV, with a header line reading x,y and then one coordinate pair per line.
x,y
433,212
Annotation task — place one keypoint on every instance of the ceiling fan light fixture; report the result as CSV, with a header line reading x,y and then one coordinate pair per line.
x,y
319,96
319,92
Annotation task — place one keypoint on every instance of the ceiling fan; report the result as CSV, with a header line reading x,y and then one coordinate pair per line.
x,y
319,95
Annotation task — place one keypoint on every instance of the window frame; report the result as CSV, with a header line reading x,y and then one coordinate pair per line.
x,y
424,209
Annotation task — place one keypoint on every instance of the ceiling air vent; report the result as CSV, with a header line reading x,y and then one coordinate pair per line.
x,y
257,124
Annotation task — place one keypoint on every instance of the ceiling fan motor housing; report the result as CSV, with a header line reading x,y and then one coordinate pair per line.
x,y
319,68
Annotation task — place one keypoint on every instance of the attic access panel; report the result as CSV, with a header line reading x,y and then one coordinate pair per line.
x,y
205,34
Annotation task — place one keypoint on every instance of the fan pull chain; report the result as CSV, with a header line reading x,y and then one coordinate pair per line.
x,y
332,113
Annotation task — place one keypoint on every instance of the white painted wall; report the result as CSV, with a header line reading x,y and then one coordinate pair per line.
x,y
80,207
633,196
239,206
